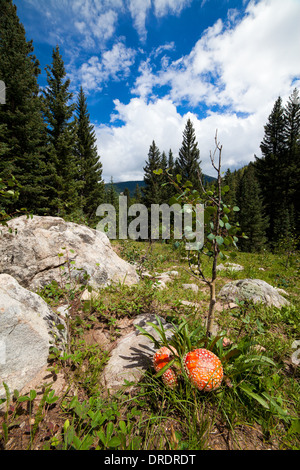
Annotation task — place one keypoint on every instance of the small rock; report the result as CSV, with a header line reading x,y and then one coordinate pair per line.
x,y
193,287
159,285
230,267
226,342
189,304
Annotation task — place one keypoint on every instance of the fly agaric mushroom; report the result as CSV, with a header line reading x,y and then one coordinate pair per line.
x,y
161,358
204,369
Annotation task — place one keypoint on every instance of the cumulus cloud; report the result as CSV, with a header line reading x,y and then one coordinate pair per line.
x,y
113,64
164,7
240,65
237,70
128,144
95,21
159,120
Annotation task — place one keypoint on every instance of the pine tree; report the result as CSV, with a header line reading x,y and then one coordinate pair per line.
x,y
269,170
22,130
152,193
126,193
88,165
137,195
61,133
111,196
291,171
188,162
251,217
165,189
278,169
230,197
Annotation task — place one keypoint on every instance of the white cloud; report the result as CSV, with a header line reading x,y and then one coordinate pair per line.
x,y
114,64
164,7
241,66
237,69
139,10
128,145
96,20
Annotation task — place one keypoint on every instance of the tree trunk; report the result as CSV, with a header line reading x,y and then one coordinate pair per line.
x,y
212,305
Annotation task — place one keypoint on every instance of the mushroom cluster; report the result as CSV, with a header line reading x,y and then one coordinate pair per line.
x,y
161,358
203,368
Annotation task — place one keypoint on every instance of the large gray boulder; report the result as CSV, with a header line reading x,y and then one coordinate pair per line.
x,y
28,327
254,290
30,253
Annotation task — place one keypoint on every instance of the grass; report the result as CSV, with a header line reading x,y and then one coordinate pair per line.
x,y
256,407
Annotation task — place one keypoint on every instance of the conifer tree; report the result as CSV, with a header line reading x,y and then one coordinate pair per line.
x,y
88,165
137,194
291,171
171,161
278,169
251,217
22,130
269,170
152,193
163,179
111,196
188,162
61,133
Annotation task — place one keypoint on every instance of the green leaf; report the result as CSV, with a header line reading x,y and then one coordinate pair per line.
x,y
219,240
123,427
158,172
295,427
114,442
211,237
236,209
148,335
254,395
165,368
210,210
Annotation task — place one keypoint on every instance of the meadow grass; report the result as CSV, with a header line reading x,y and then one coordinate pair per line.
x,y
257,406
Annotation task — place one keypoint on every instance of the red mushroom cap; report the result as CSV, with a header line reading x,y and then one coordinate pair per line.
x,y
161,358
204,369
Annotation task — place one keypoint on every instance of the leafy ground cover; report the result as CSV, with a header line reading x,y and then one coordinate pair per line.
x,y
256,407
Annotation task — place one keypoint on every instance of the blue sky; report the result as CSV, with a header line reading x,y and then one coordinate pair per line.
x,y
147,66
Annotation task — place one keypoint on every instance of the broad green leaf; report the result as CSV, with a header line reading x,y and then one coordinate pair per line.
x,y
219,240
114,442
254,395
165,368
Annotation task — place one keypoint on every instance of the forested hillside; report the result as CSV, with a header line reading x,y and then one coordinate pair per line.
x,y
50,163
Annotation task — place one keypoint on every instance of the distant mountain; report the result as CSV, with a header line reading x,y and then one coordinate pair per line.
x,y
131,185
